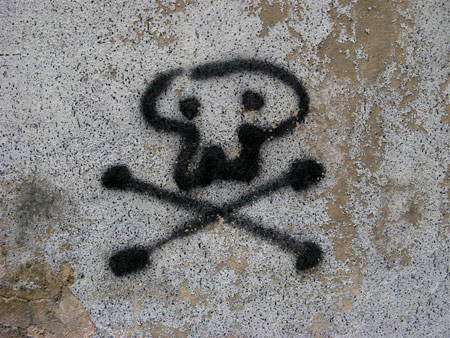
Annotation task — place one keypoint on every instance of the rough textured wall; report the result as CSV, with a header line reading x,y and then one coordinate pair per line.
x,y
72,77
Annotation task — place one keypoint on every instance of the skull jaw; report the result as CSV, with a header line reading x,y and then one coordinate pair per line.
x,y
214,165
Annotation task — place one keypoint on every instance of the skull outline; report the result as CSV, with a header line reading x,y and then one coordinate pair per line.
x,y
213,164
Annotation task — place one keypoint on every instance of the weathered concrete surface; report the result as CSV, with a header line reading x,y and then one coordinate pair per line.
x,y
72,74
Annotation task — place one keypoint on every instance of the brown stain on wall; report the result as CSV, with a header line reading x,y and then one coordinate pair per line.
x,y
393,252
238,265
408,87
340,228
372,145
112,71
192,297
375,27
179,6
372,29
270,14
321,327
163,39
142,26
163,331
182,295
235,302
445,224
34,302
446,97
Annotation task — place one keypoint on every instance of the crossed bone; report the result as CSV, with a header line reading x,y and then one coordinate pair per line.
x,y
302,175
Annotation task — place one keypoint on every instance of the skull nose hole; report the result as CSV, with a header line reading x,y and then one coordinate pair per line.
x,y
189,107
252,100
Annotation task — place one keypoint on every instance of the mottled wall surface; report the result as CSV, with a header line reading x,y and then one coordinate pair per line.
x,y
72,77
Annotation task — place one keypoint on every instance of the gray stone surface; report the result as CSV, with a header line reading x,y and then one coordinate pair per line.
x,y
72,75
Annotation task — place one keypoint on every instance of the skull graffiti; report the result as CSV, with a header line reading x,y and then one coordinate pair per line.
x,y
198,165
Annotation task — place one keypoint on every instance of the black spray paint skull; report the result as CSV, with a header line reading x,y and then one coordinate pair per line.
x,y
213,164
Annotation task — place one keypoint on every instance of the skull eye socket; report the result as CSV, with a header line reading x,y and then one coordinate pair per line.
x,y
189,107
252,100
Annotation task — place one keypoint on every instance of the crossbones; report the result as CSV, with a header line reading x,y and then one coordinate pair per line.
x,y
213,166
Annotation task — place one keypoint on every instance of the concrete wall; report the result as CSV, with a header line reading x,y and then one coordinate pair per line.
x,y
72,77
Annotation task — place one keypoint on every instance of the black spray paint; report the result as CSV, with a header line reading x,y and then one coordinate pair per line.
x,y
214,165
